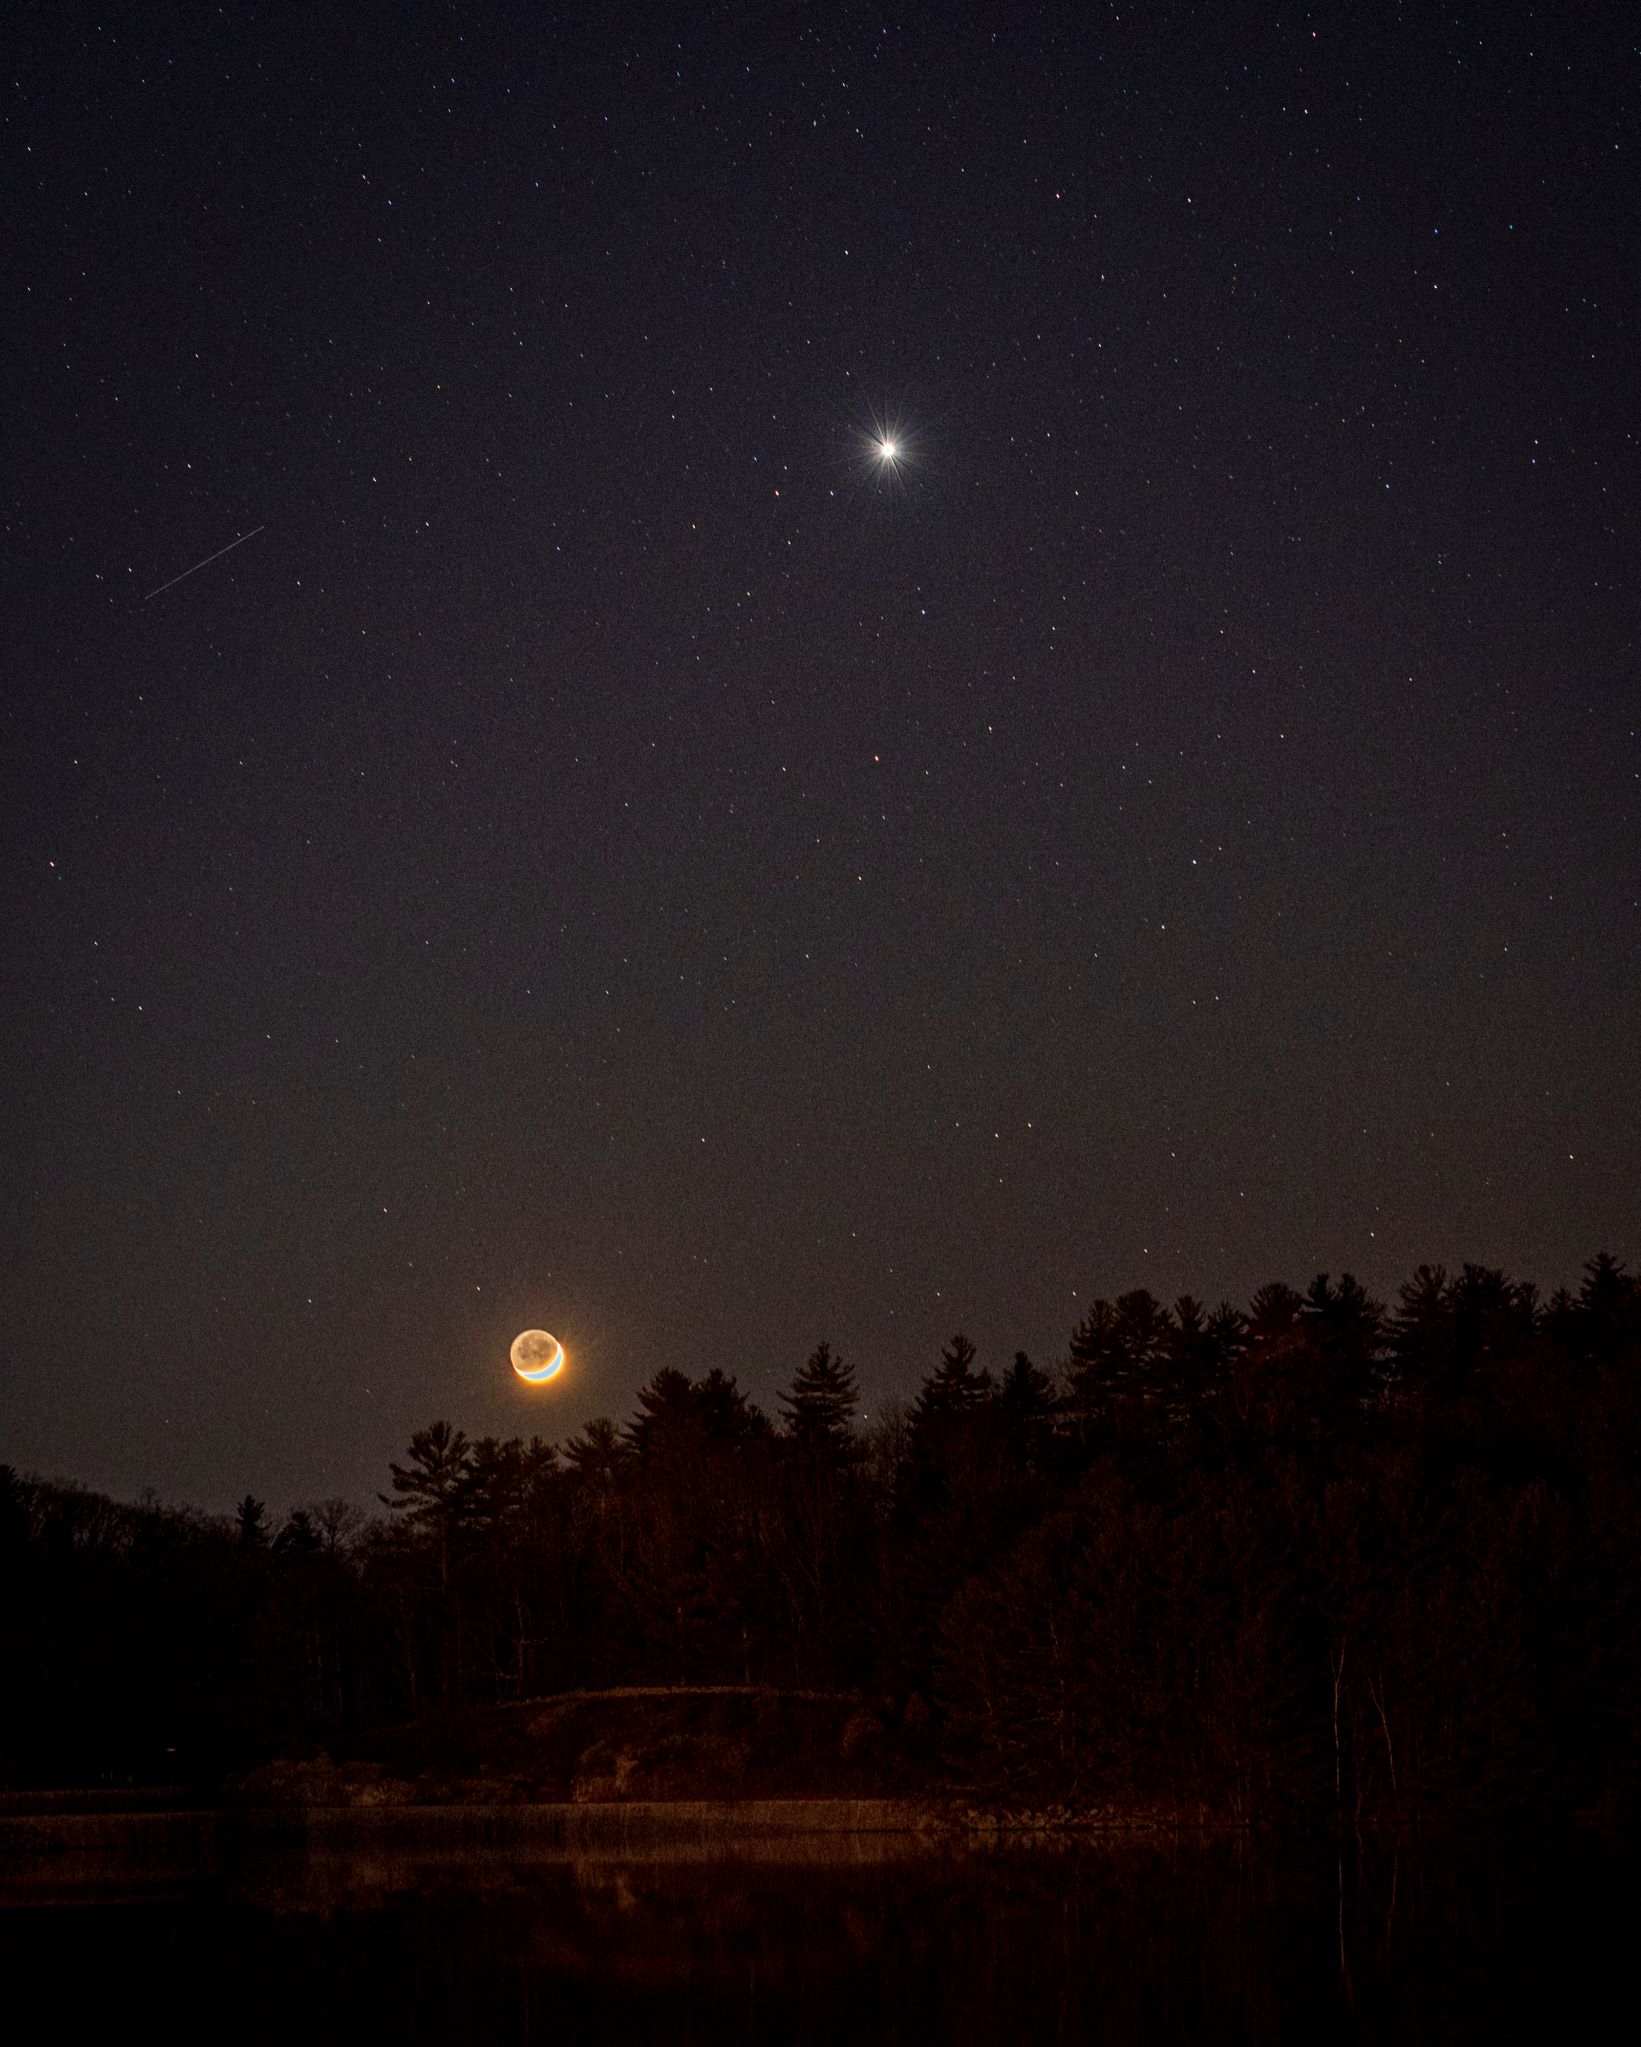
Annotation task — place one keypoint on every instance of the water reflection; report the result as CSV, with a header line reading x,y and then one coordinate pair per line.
x,y
884,1938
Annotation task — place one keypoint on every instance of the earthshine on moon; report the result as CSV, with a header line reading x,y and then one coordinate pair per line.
x,y
537,1356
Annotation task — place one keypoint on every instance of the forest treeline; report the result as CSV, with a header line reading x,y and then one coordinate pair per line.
x,y
1318,1555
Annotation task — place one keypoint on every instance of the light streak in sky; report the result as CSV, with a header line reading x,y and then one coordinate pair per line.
x,y
221,551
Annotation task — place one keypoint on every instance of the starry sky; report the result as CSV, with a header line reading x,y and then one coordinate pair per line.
x,y
610,853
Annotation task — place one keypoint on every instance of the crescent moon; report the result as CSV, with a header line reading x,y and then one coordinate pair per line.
x,y
537,1356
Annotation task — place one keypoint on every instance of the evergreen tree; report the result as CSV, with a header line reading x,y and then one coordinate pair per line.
x,y
1490,1320
1025,1407
1345,1329
667,1413
953,1387
434,1484
725,1413
1449,1338
435,1490
1420,1332
1273,1385
1120,1369
680,1414
821,1407
941,1433
1202,1348
1273,1316
1609,1303
251,1523
298,1537
598,1453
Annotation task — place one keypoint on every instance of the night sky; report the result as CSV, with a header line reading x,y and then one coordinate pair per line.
x,y
612,853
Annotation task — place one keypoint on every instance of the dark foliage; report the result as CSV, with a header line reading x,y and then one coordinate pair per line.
x,y
1318,1556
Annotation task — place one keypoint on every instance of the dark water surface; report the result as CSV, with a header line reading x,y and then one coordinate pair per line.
x,y
878,1938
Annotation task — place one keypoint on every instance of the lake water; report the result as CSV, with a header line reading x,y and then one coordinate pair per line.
x,y
877,1938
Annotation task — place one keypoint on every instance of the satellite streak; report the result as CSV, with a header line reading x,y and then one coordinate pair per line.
x,y
221,551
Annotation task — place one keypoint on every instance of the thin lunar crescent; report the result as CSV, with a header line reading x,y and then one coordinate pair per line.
x,y
537,1356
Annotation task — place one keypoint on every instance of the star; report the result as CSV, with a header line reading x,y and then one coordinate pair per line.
x,y
885,448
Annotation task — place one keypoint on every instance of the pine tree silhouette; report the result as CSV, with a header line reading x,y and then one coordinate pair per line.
x,y
821,1407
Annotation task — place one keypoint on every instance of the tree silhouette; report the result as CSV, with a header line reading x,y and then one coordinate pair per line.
x,y
435,1492
669,1414
1203,1352
1026,1407
1120,1375
1311,1558
822,1404
298,1535
1609,1303
953,1387
1345,1330
598,1453
251,1521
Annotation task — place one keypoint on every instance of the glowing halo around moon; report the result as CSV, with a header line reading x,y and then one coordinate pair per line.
x,y
537,1356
